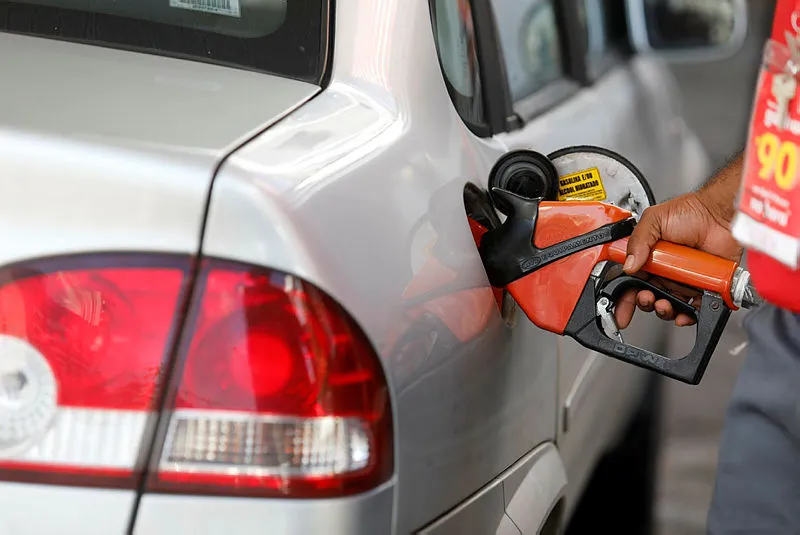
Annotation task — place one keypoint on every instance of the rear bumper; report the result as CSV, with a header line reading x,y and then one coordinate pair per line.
x,y
365,514
27,509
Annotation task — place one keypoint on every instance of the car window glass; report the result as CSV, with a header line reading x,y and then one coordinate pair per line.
x,y
530,43
457,48
597,42
276,36
606,32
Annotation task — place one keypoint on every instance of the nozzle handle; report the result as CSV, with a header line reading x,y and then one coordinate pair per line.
x,y
584,327
685,265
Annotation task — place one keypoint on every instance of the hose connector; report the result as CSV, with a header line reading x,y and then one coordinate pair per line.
x,y
742,292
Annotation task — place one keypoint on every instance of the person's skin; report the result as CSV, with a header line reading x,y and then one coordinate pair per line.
x,y
700,219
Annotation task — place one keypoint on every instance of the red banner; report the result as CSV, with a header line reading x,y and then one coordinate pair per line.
x,y
768,219
784,19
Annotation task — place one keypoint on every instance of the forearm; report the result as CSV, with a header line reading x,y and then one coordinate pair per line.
x,y
721,190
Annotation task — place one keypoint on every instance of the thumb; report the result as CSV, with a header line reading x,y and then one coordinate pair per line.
x,y
645,235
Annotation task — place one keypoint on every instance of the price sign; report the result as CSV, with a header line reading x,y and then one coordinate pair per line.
x,y
769,206
768,212
777,160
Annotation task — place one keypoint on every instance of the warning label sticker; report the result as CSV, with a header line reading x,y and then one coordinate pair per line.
x,y
228,8
584,185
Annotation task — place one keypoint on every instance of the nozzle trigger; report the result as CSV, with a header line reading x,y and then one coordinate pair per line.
x,y
606,314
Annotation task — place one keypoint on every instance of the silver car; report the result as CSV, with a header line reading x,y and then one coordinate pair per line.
x,y
239,292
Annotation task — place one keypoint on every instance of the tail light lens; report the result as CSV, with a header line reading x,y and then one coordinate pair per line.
x,y
277,393
81,352
275,390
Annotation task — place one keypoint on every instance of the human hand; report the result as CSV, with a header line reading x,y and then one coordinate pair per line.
x,y
693,219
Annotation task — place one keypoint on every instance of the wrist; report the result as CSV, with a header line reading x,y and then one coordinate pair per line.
x,y
719,194
720,203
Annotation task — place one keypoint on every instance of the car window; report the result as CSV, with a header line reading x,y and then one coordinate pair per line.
x,y
277,36
597,42
530,43
456,45
606,33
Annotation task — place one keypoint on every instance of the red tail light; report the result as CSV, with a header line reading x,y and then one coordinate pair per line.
x,y
275,391
278,392
81,349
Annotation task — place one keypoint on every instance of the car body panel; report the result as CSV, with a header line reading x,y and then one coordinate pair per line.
x,y
519,501
124,169
466,408
484,512
535,488
41,509
136,100
367,514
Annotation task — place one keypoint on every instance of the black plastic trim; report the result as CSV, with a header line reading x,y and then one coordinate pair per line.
x,y
498,107
569,14
484,128
328,40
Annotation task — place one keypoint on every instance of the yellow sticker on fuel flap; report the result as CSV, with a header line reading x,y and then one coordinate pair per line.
x,y
584,185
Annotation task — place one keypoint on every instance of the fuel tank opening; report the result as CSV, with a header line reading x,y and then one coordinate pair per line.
x,y
524,172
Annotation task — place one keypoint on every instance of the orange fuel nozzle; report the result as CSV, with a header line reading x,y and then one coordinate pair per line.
x,y
557,258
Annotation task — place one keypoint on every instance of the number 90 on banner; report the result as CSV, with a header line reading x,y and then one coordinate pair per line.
x,y
777,159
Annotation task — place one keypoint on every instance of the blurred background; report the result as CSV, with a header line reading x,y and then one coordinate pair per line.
x,y
717,100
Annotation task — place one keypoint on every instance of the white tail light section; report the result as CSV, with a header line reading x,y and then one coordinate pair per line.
x,y
82,345
277,393
264,446
28,394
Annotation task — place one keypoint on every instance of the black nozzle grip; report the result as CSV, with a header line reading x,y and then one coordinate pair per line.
x,y
584,327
